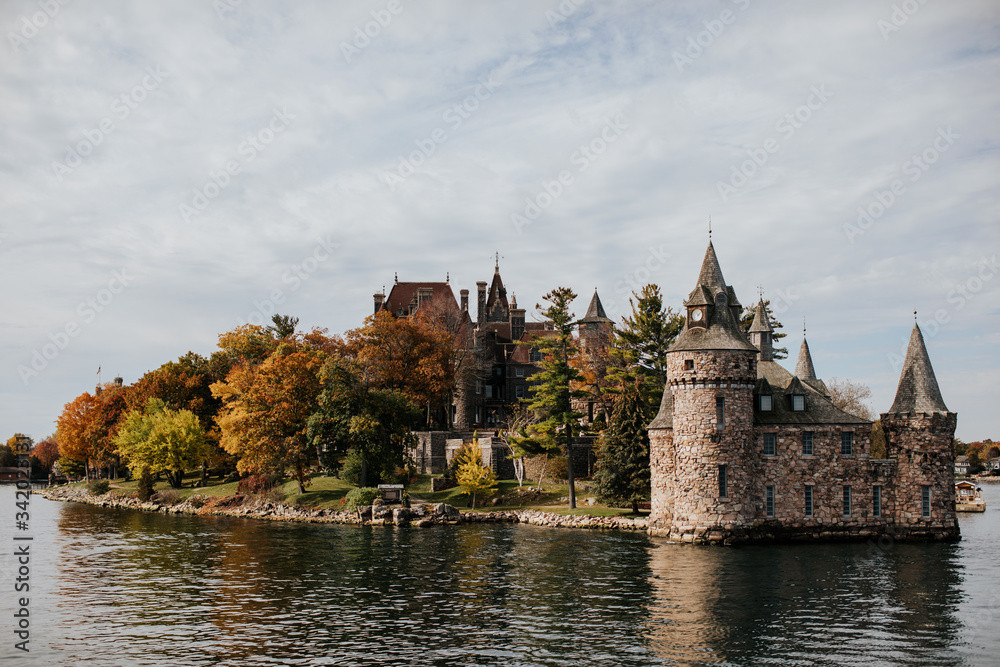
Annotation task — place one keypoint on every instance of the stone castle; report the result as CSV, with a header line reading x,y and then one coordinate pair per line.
x,y
742,450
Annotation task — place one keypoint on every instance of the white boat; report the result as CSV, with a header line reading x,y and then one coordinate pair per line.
x,y
968,498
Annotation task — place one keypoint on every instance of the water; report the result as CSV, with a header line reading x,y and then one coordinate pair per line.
x,y
111,587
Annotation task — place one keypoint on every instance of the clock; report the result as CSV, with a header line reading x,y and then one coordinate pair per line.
x,y
696,315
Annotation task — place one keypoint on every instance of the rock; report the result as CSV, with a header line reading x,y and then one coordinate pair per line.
x,y
364,513
401,516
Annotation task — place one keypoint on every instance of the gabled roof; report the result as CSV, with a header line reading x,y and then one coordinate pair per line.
x,y
595,312
819,411
760,322
402,295
804,366
918,389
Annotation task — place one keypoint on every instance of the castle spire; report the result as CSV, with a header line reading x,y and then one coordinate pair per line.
x,y
918,389
804,366
711,273
595,312
761,332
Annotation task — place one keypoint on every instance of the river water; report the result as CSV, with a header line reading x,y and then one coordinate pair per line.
x,y
116,587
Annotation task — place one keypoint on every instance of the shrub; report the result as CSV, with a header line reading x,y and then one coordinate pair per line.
x,y
145,487
360,497
198,501
255,484
98,487
274,494
167,497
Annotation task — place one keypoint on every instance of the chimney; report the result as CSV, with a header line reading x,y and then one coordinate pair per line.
x,y
481,305
464,294
516,323
379,298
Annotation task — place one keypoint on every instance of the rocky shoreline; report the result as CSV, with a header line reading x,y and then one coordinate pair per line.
x,y
423,515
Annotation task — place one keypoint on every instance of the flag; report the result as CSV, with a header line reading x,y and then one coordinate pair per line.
x,y
98,370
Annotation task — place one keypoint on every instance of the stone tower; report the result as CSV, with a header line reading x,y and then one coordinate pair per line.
x,y
919,432
703,464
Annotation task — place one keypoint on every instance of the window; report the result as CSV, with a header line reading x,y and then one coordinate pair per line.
x,y
479,386
798,402
807,443
769,444
809,501
847,501
489,391
498,371
519,391
720,413
765,402
519,372
536,355
769,500
846,443
877,500
689,364
723,481
925,500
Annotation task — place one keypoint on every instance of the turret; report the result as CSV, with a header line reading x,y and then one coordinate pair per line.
x,y
762,334
919,432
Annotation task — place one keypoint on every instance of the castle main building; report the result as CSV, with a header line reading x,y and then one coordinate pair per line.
x,y
742,450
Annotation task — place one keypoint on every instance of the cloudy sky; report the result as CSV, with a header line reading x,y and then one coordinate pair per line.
x,y
173,170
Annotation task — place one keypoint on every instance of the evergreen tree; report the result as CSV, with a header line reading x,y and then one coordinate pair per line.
x,y
622,470
552,396
746,320
639,347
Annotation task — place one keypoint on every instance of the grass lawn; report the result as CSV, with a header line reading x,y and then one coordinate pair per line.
x,y
327,492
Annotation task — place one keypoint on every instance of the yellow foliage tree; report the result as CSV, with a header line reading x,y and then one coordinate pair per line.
x,y
474,477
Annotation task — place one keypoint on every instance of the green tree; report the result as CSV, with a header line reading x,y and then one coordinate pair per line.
x,y
474,477
746,320
161,439
373,426
283,326
622,469
553,393
639,346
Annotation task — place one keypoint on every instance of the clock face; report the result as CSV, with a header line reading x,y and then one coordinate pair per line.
x,y
696,316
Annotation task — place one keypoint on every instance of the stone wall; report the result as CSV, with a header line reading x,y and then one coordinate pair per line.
x,y
921,444
698,513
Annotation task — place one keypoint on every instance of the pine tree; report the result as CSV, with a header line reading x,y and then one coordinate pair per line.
x,y
639,347
622,469
552,396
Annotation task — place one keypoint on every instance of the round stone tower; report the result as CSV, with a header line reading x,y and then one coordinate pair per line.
x,y
704,464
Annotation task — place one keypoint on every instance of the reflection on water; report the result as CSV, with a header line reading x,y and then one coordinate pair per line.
x,y
131,588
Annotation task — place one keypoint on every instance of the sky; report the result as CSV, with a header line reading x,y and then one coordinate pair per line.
x,y
171,171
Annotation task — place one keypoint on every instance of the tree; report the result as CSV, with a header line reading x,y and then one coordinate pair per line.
x,y
44,455
283,326
351,418
266,408
622,470
512,434
162,440
409,355
474,477
639,346
76,433
851,397
552,398
746,320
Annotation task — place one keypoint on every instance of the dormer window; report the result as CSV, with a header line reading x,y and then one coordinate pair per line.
x,y
798,403
765,403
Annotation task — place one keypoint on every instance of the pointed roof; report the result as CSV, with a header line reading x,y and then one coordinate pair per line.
x,y
711,272
595,312
760,322
918,388
804,366
665,417
497,292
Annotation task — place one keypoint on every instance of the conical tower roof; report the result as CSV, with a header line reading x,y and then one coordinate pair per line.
x,y
711,272
918,388
804,366
595,312
760,322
